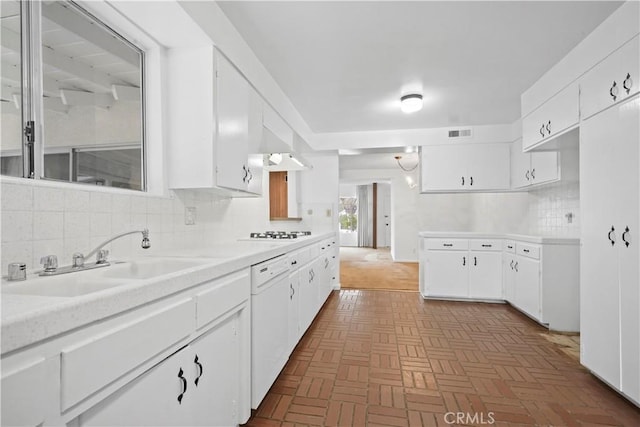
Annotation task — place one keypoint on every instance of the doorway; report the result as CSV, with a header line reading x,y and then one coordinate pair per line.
x,y
365,215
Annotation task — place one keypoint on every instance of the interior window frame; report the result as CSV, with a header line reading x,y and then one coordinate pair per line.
x,y
33,151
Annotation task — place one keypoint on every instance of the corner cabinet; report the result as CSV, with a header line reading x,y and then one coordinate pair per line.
x,y
552,119
464,167
212,111
541,280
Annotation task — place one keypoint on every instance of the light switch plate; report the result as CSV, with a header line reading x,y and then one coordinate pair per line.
x,y
190,215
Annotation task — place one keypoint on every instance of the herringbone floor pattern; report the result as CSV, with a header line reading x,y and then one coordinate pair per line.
x,y
383,358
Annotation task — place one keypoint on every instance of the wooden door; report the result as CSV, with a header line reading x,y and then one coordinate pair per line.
x,y
278,195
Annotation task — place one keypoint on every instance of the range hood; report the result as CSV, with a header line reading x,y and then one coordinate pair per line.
x,y
285,162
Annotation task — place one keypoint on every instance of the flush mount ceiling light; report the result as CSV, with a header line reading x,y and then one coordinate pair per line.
x,y
411,103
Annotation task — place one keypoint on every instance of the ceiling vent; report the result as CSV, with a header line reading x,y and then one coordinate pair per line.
x,y
460,133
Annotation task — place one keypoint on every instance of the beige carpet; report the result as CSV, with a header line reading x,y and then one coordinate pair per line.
x,y
366,268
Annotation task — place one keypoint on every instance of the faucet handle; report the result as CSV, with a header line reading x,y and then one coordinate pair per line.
x,y
101,257
78,260
50,263
17,271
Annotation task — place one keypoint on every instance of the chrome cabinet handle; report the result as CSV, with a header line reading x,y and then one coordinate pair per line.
x,y
612,231
290,291
463,180
200,370
624,83
515,267
542,130
533,173
464,260
475,261
184,385
470,180
548,127
250,175
526,175
511,264
246,172
613,91
626,242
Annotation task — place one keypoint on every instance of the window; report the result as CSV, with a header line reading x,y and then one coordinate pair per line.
x,y
83,102
348,214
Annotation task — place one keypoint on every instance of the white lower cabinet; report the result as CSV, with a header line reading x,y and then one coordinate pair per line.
x,y
542,280
485,275
461,268
527,286
198,385
294,308
447,274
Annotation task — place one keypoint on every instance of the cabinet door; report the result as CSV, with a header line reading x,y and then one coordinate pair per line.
x,y
214,375
599,281
294,307
23,395
487,166
163,396
528,285
233,126
255,159
443,167
520,166
552,118
485,275
628,207
544,167
509,277
607,83
447,274
308,294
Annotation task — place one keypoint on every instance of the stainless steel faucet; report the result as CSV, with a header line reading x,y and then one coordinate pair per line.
x,y
51,264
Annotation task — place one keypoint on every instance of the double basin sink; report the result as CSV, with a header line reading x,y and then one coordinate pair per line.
x,y
96,280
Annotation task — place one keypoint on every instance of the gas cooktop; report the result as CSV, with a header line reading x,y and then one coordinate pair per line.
x,y
279,234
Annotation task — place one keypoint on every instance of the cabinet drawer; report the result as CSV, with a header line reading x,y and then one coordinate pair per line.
x,y
529,251
485,245
23,397
92,364
448,244
221,296
509,246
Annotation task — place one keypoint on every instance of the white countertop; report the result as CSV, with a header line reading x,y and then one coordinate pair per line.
x,y
547,240
27,319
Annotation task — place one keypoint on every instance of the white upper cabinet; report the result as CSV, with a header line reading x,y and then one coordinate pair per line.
x,y
553,118
211,110
233,126
464,167
535,168
612,80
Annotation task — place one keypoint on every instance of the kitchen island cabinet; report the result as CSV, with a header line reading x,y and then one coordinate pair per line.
x,y
538,276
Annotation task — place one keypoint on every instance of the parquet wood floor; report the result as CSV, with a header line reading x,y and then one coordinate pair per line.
x,y
367,268
384,358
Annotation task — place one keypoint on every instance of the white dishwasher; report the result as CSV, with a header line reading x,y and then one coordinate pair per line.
x,y
269,324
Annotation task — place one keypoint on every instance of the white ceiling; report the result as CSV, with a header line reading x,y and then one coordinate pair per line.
x,y
344,65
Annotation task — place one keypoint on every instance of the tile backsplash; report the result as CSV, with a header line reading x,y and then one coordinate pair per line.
x,y
554,210
41,218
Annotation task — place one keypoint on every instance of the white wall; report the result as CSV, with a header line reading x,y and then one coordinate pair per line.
x,y
412,212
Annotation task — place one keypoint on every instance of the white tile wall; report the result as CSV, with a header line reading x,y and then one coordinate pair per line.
x,y
549,206
41,218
